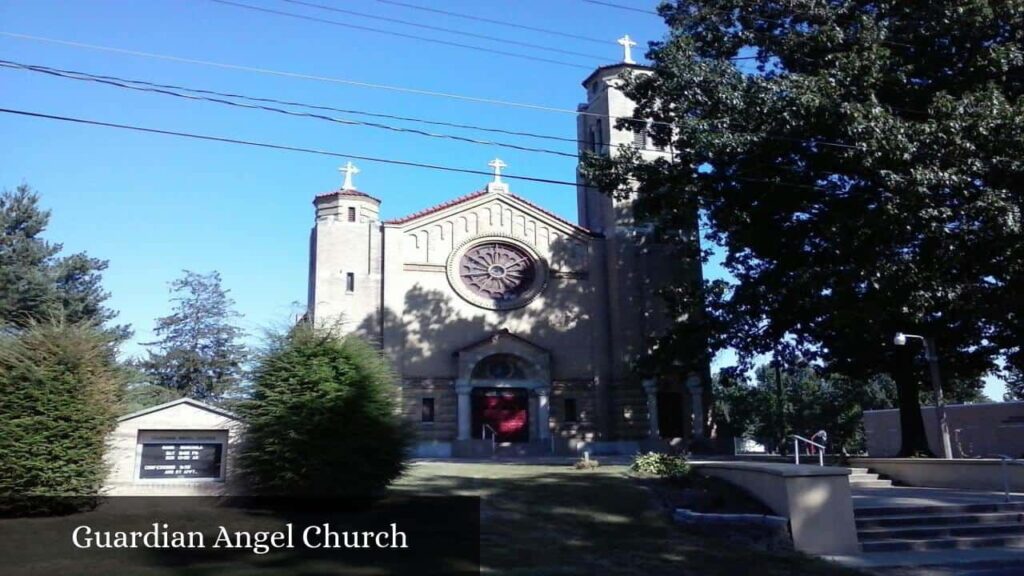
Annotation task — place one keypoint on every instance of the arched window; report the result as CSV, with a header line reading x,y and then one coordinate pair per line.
x,y
500,367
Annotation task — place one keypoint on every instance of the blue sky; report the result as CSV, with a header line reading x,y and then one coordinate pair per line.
x,y
155,205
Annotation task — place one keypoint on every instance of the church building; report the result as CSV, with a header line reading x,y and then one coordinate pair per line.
x,y
511,328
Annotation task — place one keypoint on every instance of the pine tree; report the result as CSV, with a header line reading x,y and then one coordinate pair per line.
x,y
36,284
322,419
198,353
59,385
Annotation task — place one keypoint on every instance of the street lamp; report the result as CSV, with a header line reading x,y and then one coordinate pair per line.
x,y
933,363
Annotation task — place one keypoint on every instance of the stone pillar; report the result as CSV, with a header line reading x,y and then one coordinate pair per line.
x,y
652,406
543,413
464,410
696,388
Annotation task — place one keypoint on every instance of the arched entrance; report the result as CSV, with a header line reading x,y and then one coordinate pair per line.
x,y
499,398
503,385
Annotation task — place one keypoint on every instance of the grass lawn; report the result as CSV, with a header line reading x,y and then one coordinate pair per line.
x,y
542,519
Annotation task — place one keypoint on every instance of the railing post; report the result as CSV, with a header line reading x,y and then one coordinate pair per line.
x,y
1006,478
821,457
796,449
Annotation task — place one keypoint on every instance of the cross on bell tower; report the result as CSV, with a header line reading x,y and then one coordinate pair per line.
x,y
349,170
627,44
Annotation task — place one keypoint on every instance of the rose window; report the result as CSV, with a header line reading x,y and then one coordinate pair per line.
x,y
497,271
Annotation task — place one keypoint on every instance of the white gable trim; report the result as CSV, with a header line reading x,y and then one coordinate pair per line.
x,y
173,403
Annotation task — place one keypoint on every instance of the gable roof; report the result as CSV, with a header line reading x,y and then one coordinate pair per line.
x,y
346,193
173,403
478,194
494,337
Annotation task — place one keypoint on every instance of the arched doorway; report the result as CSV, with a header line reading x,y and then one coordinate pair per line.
x,y
500,400
504,382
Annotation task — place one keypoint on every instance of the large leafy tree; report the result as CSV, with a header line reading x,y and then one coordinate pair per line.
x,y
863,174
37,284
199,353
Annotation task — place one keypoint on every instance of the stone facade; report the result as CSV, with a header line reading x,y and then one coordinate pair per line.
x,y
502,319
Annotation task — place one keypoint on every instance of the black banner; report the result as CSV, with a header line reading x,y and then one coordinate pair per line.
x,y
229,535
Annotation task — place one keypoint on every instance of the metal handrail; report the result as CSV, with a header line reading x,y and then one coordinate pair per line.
x,y
796,448
494,437
1004,461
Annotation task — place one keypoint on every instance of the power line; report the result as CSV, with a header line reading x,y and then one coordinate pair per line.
x,y
487,37
416,91
122,84
281,147
497,22
397,34
622,7
729,13
336,154
285,74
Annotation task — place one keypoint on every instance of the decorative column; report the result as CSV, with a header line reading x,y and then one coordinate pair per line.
x,y
652,406
464,410
543,413
696,388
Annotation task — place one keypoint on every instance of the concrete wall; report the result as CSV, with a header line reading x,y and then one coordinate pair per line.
x,y
976,430
967,474
122,454
815,499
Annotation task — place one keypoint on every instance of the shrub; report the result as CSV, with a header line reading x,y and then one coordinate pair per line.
x,y
59,388
662,465
322,420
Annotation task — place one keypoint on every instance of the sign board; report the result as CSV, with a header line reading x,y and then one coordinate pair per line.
x,y
181,460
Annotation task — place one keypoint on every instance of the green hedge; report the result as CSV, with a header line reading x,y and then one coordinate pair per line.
x,y
59,387
322,421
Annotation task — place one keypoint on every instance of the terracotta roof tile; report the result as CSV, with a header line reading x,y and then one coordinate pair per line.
x,y
437,208
349,193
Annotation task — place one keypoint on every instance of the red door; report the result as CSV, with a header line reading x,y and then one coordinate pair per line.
x,y
504,410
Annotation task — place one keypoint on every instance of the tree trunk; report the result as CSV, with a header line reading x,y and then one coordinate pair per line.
x,y
914,442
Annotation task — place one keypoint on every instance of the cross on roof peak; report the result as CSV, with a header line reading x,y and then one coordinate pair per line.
x,y
627,44
348,170
497,185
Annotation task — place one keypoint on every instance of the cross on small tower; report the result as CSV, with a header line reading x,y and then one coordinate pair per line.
x,y
627,44
497,164
349,170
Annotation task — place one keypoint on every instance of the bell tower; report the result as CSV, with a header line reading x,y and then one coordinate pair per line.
x,y
633,264
345,258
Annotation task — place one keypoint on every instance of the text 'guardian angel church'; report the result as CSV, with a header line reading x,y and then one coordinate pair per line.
x,y
506,323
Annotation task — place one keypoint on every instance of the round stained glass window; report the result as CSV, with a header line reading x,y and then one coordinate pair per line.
x,y
497,271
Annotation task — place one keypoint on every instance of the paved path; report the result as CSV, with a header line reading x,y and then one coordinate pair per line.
x,y
907,496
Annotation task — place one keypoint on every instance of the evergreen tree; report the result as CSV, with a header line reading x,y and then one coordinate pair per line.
x,y
59,385
198,353
36,284
322,420
865,179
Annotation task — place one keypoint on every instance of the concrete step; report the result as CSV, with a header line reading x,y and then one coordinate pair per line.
x,y
962,543
938,510
859,471
940,520
870,483
938,532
